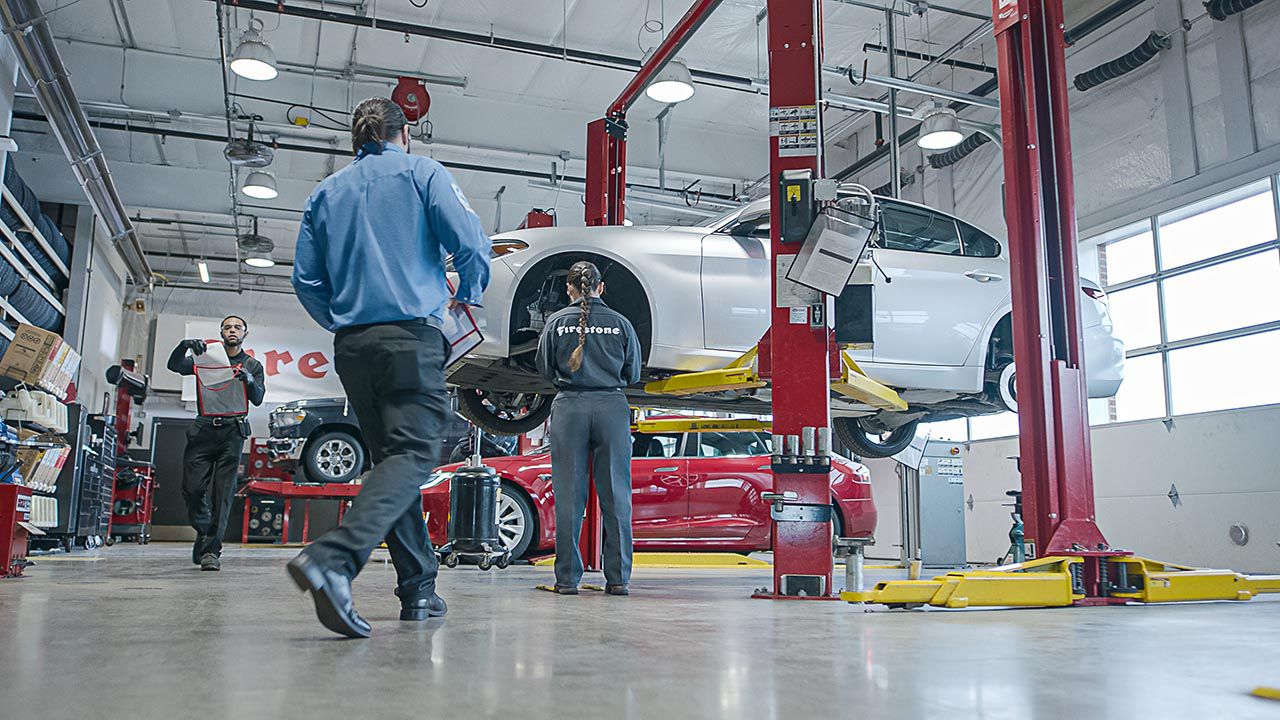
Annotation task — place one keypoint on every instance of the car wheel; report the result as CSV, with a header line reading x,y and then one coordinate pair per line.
x,y
334,457
870,442
1005,391
515,521
504,413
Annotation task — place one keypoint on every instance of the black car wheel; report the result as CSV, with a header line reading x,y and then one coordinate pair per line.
x,y
333,457
869,442
504,413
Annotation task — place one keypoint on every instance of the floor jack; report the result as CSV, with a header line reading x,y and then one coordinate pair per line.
x,y
1078,566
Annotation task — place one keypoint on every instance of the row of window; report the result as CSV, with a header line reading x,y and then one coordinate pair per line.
x,y
1194,293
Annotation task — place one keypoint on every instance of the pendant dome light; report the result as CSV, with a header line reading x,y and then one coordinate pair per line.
x,y
672,85
254,58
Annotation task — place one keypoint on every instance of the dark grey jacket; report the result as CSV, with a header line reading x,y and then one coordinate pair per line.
x,y
610,358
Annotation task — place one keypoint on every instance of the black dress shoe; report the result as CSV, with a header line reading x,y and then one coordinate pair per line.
x,y
331,592
210,562
566,589
617,590
423,608
197,548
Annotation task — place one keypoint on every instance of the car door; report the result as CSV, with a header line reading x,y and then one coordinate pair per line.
x,y
735,282
659,486
931,307
727,473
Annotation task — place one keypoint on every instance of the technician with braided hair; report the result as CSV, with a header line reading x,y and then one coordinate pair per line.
x,y
590,352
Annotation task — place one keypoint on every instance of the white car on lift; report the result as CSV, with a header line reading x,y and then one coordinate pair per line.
x,y
699,298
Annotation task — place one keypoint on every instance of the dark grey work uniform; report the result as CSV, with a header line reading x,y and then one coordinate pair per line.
x,y
591,429
212,456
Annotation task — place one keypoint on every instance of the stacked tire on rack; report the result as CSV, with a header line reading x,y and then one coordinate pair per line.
x,y
21,295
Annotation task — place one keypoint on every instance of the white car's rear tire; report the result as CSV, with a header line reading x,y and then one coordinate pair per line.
x,y
504,413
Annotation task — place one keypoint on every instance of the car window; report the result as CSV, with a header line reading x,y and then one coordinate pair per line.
x,y
978,243
727,444
919,230
649,445
750,225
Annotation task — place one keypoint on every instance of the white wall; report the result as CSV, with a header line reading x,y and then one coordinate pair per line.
x,y
1219,462
104,314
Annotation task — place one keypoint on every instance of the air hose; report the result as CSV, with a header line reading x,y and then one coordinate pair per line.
x,y
1126,63
959,152
1223,9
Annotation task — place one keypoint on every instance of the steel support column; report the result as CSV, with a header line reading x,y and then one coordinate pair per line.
x,y
798,353
1057,473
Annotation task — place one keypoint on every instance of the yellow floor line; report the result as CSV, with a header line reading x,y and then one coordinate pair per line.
x,y
683,560
1266,693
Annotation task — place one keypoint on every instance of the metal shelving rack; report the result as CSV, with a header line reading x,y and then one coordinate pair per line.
x,y
29,270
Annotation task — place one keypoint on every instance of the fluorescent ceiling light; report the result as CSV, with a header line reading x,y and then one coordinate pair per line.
x,y
204,272
260,260
674,84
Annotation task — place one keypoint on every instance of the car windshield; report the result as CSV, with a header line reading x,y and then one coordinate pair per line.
x,y
719,220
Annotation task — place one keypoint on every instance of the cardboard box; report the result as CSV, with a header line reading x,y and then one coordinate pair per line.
x,y
40,358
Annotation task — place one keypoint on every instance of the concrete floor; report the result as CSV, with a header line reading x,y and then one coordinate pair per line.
x,y
138,632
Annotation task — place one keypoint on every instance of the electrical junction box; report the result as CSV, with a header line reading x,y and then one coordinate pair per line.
x,y
796,207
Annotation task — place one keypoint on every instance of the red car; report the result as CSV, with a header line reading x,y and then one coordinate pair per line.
x,y
690,491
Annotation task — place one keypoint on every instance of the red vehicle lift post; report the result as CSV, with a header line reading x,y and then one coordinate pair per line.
x,y
607,187
799,353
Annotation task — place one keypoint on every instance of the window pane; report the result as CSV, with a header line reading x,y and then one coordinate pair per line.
x,y
1232,373
1237,294
1230,221
654,446
978,243
1136,316
1004,424
725,444
1141,394
910,228
1100,411
1130,258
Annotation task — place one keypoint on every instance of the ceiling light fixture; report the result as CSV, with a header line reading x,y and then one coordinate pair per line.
x,y
254,59
940,129
260,260
204,271
260,185
674,84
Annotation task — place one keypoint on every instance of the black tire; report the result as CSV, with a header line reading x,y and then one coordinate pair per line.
x,y
514,500
870,444
837,521
504,413
333,457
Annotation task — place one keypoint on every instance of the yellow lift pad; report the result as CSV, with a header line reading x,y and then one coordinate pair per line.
x,y
1047,582
678,425
855,384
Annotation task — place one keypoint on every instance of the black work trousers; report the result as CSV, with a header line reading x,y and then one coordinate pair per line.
x,y
209,468
394,378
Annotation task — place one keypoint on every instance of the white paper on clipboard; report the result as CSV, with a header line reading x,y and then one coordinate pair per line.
x,y
461,330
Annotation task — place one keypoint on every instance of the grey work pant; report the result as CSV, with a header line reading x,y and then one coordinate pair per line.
x,y
591,436
209,468
394,378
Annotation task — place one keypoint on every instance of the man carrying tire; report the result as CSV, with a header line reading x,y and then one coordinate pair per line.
x,y
216,439
369,267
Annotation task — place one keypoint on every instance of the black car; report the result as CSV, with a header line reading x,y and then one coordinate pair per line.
x,y
321,441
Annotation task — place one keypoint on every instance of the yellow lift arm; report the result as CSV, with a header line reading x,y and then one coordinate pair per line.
x,y
1049,582
740,375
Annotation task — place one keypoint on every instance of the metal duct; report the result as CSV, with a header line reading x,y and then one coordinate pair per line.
x,y
28,29
1125,64
959,152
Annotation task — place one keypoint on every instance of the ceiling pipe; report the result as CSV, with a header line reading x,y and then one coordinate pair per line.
x,y
935,59
28,29
855,104
1098,20
555,52
911,87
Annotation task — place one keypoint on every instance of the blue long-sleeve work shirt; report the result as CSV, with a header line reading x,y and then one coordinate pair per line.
x,y
374,239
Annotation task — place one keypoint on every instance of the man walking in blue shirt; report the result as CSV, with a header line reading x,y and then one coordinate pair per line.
x,y
369,267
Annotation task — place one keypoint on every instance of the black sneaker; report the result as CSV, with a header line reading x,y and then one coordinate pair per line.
x,y
566,589
210,562
617,590
423,608
197,547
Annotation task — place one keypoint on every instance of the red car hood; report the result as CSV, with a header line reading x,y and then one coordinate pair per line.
x,y
509,465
